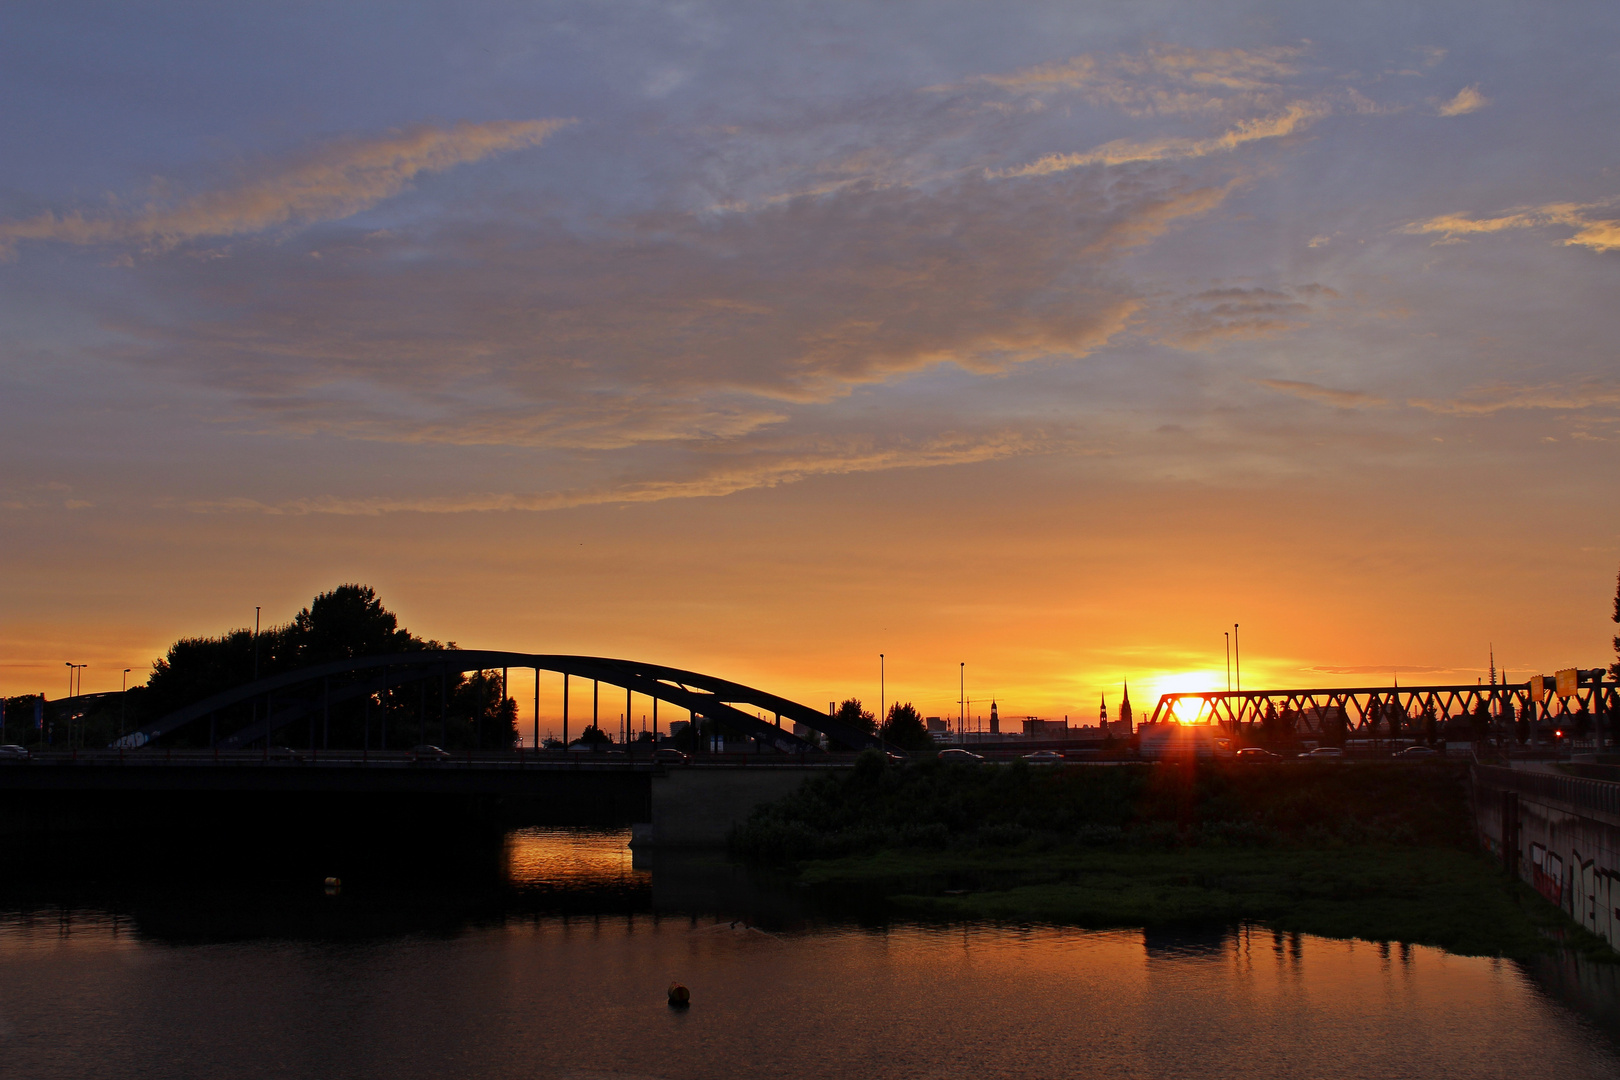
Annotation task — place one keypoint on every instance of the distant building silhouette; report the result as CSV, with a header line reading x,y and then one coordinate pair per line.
x,y
1036,728
1121,728
995,719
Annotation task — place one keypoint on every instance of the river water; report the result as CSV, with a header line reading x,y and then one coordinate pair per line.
x,y
558,964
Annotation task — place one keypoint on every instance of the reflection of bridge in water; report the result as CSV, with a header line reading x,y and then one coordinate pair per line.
x,y
300,702
1368,710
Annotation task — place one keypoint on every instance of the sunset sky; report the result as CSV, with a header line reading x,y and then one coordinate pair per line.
x,y
760,339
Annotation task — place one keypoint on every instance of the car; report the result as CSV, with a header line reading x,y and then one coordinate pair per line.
x,y
1044,757
1323,752
670,756
1255,753
284,753
1417,752
426,754
956,753
12,750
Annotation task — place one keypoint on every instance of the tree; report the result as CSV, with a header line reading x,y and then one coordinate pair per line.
x,y
904,728
850,712
346,622
1614,668
1431,728
593,737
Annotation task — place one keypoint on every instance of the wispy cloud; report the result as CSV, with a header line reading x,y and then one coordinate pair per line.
x,y
328,183
1296,116
1163,80
1598,234
666,327
1468,99
1326,395
1237,312
736,472
1586,394
1379,669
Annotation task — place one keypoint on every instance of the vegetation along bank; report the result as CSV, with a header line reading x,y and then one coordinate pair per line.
x,y
1379,851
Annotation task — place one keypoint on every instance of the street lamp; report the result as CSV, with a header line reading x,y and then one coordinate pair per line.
x,y
1237,656
123,698
1227,634
883,698
961,701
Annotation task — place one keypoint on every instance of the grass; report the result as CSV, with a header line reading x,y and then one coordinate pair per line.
x,y
1379,852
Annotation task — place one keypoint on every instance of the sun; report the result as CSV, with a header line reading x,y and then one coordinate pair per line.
x,y
1182,682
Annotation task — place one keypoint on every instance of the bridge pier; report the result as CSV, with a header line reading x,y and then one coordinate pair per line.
x,y
698,807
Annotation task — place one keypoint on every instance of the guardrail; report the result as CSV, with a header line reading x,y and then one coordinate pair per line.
x,y
1600,796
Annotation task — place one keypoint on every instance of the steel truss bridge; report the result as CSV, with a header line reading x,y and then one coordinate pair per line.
x,y
1366,710
306,696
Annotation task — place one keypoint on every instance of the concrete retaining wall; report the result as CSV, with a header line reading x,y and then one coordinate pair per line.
x,y
699,807
1559,834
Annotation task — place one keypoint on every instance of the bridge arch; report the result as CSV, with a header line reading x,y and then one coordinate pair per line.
x,y
295,696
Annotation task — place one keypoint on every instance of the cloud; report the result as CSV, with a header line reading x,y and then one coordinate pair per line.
x,y
1598,234
736,471
1587,394
1162,80
1195,321
1468,100
325,184
1326,395
1296,116
1376,669
654,329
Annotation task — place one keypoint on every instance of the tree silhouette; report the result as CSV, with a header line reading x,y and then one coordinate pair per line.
x,y
1614,668
904,728
346,622
850,712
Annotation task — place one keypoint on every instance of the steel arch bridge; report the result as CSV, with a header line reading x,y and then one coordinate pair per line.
x,y
303,695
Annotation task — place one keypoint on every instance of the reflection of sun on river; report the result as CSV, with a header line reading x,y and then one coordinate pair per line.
x,y
570,857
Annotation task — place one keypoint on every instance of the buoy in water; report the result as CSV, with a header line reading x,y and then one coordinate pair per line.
x,y
334,883
679,996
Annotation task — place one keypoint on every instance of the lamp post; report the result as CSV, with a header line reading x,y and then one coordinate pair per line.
x,y
961,700
52,729
1227,634
123,698
1237,656
883,690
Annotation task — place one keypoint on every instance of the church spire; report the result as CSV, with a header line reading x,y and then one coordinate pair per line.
x,y
1125,705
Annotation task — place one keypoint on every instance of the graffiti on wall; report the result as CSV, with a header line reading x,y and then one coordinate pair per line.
x,y
1547,873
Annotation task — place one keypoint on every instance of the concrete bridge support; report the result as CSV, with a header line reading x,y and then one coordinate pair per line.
x,y
698,807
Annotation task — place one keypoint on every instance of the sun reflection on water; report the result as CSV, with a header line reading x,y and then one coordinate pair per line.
x,y
572,858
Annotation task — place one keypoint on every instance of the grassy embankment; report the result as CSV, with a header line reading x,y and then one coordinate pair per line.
x,y
1377,851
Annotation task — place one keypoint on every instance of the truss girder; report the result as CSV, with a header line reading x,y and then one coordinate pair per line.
x,y
1366,708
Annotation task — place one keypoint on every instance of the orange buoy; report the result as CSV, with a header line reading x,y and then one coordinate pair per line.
x,y
679,996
